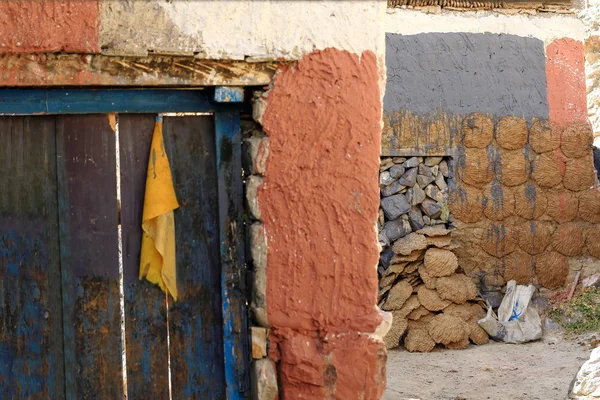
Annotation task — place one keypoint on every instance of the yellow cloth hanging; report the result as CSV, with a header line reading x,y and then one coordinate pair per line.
x,y
157,259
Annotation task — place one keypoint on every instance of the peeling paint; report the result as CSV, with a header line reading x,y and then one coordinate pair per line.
x,y
259,29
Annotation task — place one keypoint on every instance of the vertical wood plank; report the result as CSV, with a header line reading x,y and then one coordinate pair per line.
x,y
233,291
195,321
145,303
88,218
31,354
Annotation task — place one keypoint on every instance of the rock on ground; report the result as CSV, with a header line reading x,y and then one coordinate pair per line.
x,y
587,382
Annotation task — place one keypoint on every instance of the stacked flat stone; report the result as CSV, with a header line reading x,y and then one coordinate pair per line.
x,y
432,301
414,195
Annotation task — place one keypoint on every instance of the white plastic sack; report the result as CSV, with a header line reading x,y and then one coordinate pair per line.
x,y
587,382
516,321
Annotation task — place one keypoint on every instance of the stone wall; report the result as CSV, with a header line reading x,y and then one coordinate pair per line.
x,y
414,194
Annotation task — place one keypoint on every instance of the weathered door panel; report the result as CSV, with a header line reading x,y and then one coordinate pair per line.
x,y
88,216
233,289
60,315
195,320
145,304
31,344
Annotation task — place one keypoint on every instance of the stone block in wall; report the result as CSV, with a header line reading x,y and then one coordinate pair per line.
x,y
259,105
264,380
252,184
258,336
256,151
258,250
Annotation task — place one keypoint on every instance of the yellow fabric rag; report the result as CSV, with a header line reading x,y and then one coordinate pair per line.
x,y
157,259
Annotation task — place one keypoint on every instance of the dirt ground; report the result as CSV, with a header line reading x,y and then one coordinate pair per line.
x,y
541,370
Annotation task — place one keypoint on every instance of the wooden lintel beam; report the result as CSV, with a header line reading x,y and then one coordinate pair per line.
x,y
34,70
483,4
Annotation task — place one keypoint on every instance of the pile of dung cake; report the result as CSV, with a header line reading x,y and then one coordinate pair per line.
x,y
432,301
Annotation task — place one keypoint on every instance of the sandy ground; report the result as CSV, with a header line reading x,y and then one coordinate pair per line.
x,y
541,370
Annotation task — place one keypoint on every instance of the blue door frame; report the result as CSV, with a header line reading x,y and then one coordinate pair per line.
x,y
230,187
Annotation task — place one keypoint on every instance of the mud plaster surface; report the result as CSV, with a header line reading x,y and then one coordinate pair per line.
x,y
49,26
283,29
464,73
495,371
319,198
319,202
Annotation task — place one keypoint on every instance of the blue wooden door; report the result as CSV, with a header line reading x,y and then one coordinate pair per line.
x,y
31,344
70,230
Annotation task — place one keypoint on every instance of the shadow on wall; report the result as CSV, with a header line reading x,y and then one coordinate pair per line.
x,y
597,156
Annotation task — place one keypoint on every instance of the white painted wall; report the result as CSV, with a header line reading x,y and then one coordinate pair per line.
x,y
546,27
590,15
237,30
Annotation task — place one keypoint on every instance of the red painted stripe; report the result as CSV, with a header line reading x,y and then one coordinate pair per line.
x,y
566,81
49,26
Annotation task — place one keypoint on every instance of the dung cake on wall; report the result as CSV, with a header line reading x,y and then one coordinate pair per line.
x,y
421,283
509,110
532,206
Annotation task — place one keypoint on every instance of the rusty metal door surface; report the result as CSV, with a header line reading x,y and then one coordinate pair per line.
x,y
75,320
